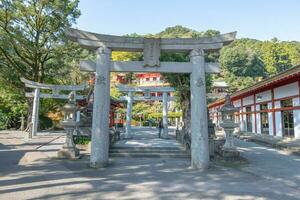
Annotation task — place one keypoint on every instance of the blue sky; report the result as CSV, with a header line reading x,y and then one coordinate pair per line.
x,y
259,19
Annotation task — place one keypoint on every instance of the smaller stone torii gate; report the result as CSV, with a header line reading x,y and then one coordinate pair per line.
x,y
151,48
56,89
146,90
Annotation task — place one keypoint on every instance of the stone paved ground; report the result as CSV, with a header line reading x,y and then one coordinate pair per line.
x,y
29,171
148,137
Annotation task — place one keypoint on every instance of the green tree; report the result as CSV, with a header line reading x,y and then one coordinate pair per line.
x,y
32,41
275,57
241,61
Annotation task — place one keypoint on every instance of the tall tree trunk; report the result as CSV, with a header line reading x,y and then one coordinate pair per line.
x,y
186,112
29,114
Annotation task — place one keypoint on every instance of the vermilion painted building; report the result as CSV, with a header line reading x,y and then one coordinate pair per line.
x,y
271,106
149,79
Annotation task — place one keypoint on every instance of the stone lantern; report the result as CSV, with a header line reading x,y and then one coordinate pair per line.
x,y
228,124
69,124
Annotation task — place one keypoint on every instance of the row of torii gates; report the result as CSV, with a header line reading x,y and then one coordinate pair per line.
x,y
151,48
130,98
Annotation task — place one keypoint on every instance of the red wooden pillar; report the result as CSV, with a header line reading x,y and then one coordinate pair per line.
x,y
299,87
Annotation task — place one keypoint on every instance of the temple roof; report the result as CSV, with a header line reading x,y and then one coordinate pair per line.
x,y
285,77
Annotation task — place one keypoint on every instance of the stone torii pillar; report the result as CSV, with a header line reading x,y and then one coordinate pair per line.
x,y
129,115
165,114
100,126
199,124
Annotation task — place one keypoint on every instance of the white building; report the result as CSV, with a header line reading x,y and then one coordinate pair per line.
x,y
271,106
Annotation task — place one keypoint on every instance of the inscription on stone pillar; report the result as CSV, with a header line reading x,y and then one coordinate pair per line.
x,y
199,82
100,80
151,52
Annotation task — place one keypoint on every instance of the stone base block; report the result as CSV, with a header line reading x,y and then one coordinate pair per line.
x,y
230,154
68,153
97,165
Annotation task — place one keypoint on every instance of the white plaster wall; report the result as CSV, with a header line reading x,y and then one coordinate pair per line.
x,y
286,90
278,120
258,120
265,96
248,100
243,120
296,102
270,118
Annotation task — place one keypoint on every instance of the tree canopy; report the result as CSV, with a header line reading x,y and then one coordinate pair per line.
x,y
33,45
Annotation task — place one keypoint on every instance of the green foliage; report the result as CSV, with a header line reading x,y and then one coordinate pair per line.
x,y
33,45
276,57
12,107
32,41
45,122
115,93
247,61
242,61
82,140
3,120
158,115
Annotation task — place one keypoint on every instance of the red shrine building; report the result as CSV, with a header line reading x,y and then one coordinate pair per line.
x,y
270,107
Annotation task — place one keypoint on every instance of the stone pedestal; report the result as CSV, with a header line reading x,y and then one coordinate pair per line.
x,y
230,154
69,149
229,151
229,143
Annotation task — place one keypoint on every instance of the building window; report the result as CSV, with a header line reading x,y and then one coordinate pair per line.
x,y
248,119
154,78
147,79
264,118
287,117
264,106
286,103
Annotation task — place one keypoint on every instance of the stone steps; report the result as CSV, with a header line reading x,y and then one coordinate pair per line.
x,y
161,152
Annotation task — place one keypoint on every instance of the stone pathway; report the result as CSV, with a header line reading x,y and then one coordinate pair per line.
x,y
289,144
145,143
270,174
148,137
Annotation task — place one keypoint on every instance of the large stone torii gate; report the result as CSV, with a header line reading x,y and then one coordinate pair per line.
x,y
146,90
151,48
